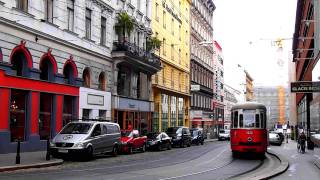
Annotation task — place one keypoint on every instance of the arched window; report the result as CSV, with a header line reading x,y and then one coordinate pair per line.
x,y
68,74
48,67
102,81
86,77
21,60
70,71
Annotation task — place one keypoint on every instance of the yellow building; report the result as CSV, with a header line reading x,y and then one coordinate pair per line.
x,y
171,85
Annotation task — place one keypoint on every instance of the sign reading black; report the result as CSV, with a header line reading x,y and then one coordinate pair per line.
x,y
305,87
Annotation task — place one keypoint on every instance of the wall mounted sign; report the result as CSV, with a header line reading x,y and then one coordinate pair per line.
x,y
95,99
305,86
195,87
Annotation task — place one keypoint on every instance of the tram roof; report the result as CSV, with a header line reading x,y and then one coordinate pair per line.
x,y
249,105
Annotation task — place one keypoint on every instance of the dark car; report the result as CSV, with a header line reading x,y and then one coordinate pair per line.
x,y
197,136
181,136
158,141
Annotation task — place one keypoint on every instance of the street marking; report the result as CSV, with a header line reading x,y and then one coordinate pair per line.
x,y
200,172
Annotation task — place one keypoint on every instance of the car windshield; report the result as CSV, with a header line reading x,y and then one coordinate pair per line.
x,y
76,128
173,130
126,133
152,135
195,133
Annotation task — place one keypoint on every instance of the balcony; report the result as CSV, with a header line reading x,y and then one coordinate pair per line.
x,y
136,56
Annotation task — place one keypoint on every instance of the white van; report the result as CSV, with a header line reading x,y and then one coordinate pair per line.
x,y
87,137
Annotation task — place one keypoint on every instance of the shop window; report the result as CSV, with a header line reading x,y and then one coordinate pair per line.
x,y
47,72
85,113
68,73
18,114
86,77
102,114
45,115
67,109
19,64
102,81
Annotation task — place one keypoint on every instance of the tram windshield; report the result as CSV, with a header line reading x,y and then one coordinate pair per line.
x,y
249,118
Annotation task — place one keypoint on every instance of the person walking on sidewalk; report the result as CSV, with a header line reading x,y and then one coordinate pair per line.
x,y
302,142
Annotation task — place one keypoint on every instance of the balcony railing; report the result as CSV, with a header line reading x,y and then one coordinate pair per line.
x,y
138,52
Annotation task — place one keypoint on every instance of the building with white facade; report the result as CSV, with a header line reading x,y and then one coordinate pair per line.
x,y
134,64
50,50
230,100
202,69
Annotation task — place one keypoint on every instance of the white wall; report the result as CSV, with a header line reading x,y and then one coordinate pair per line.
x,y
83,103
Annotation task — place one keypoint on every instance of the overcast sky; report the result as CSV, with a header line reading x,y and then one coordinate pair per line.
x,y
245,29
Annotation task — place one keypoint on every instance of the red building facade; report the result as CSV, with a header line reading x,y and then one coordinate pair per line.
x,y
35,102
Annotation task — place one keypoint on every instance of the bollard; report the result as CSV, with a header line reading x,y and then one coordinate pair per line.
x,y
48,150
18,153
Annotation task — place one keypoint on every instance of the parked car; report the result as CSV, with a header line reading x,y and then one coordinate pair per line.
x,y
275,138
315,138
131,140
197,136
158,141
88,138
181,136
224,134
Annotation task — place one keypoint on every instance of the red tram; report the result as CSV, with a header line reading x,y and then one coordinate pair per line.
x,y
248,128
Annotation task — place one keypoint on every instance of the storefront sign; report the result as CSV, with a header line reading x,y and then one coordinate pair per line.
x,y
305,87
95,99
195,87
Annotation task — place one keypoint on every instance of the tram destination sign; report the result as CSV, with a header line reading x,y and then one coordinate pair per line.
x,y
305,87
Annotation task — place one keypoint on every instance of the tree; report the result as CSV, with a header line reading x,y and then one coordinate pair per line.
x,y
124,25
153,43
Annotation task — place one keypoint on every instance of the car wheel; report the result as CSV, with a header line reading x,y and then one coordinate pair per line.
x,y
143,149
89,152
189,144
159,147
130,150
202,142
197,142
182,144
115,151
169,146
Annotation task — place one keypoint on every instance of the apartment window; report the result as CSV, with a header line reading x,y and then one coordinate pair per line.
x,y
48,6
164,19
70,9
172,52
88,23
186,36
157,12
180,32
180,8
172,80
22,5
172,26
103,31
179,56
164,46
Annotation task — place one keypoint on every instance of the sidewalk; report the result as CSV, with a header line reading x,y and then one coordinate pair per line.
x,y
301,166
27,160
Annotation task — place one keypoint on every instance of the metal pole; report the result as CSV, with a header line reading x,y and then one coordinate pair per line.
x,y
48,150
18,153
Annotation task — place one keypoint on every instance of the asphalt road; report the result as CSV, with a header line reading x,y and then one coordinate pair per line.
x,y
210,161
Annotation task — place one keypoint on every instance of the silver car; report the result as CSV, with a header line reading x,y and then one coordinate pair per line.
x,y
274,138
87,137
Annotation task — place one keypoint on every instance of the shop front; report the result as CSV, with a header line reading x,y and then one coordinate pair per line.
x,y
133,114
35,103
94,104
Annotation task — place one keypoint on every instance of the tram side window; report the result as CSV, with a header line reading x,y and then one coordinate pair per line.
x,y
241,120
257,121
262,120
235,119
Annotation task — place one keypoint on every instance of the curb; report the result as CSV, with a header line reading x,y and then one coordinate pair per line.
x,y
28,166
284,165
210,140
